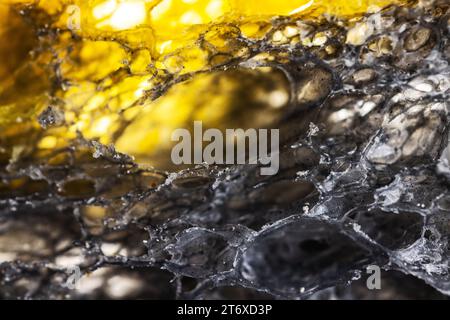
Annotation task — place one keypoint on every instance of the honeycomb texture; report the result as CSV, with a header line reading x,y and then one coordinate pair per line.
x,y
361,98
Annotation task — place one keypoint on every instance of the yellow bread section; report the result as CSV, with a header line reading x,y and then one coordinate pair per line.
x,y
124,49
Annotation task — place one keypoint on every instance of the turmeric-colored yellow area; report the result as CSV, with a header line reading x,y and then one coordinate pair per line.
x,y
175,23
108,55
